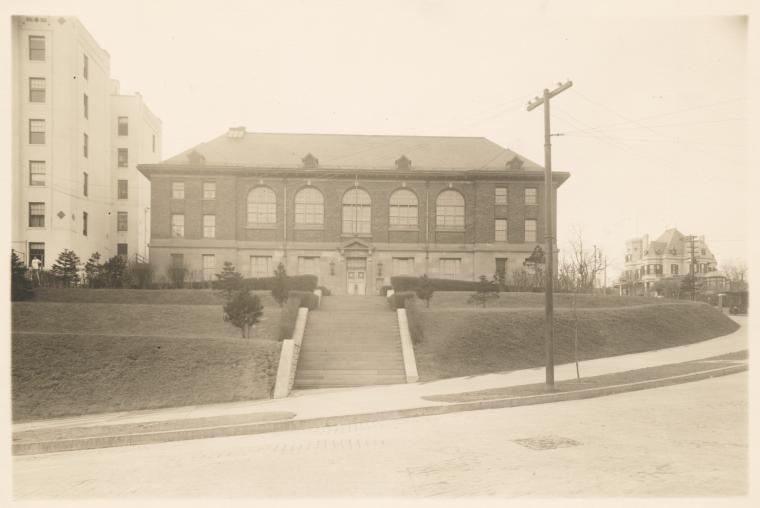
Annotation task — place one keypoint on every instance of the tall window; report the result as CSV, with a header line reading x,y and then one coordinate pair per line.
x,y
123,157
531,194
122,249
357,211
37,215
209,266
500,230
37,250
209,190
84,223
178,190
262,206
37,172
674,269
178,225
449,209
403,266
123,189
403,208
85,144
449,268
36,47
309,206
209,226
261,266
500,195
37,132
122,221
530,230
85,184
308,265
86,104
123,123
37,89
86,67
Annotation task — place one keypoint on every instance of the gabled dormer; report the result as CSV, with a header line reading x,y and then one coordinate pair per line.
x,y
310,162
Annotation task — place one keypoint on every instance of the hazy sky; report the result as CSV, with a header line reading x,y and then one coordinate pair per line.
x,y
654,126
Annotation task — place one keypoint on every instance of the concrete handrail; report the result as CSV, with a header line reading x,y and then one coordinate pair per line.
x,y
407,349
291,348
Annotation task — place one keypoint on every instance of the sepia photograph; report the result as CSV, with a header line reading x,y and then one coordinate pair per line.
x,y
331,251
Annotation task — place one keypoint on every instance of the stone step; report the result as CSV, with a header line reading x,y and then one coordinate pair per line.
x,y
330,364
348,372
349,348
340,381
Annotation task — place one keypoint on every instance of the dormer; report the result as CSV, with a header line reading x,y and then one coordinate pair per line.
x,y
403,163
310,162
515,164
195,157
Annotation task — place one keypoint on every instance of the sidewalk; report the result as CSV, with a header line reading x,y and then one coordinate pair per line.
x,y
309,406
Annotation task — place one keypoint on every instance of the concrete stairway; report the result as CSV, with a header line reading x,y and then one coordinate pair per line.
x,y
351,341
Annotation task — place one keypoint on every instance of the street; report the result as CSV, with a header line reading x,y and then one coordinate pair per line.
x,y
682,440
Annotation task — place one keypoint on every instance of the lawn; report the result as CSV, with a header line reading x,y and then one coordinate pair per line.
x,y
60,375
467,341
141,296
458,299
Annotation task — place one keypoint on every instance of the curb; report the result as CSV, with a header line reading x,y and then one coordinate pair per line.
x,y
330,421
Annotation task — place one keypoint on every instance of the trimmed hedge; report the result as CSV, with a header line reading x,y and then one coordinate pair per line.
x,y
305,299
398,300
294,283
407,283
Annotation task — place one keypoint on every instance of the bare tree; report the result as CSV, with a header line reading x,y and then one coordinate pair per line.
x,y
735,271
579,270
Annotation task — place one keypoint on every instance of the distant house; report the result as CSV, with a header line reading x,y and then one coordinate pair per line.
x,y
353,210
672,255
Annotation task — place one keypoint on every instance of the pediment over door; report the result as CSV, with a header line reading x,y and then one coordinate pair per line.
x,y
356,248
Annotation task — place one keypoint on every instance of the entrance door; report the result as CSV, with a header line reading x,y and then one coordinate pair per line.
x,y
356,276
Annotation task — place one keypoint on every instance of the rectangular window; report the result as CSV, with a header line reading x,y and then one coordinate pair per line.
x,y
37,172
86,67
209,190
36,215
209,226
261,266
530,230
209,266
84,223
122,221
649,269
178,190
121,249
500,230
37,89
37,132
178,225
36,47
123,154
85,183
531,194
123,126
37,250
85,144
674,269
86,104
500,195
449,268
501,268
123,189
403,266
308,265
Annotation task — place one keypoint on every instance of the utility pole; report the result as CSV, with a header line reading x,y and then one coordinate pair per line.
x,y
549,225
692,279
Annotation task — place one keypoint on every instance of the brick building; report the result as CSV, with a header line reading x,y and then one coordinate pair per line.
x,y
352,209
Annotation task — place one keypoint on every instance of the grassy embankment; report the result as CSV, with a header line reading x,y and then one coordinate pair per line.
x,y
89,351
461,340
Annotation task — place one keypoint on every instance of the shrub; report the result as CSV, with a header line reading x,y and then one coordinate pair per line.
x,y
243,311
325,291
139,275
425,290
21,287
113,271
288,318
177,275
407,283
487,290
93,270
305,299
66,268
279,286
398,300
228,280
414,318
384,290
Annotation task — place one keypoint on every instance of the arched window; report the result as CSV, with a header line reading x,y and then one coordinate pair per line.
x,y
262,206
357,211
449,209
310,206
403,210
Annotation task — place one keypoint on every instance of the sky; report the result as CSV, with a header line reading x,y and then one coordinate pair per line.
x,y
653,130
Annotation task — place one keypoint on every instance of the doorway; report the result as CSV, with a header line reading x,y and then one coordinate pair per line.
x,y
356,276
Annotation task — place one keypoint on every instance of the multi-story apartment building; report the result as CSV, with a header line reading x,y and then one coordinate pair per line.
x,y
673,254
64,147
353,210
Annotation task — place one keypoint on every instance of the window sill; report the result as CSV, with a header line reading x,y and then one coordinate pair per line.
x,y
450,230
309,227
403,228
261,226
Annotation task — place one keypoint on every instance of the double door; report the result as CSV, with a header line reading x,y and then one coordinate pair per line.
x,y
356,276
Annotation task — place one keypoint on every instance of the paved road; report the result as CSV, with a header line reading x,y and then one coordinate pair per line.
x,y
682,440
